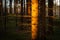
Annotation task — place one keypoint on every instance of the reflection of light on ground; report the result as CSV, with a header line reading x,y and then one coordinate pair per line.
x,y
34,18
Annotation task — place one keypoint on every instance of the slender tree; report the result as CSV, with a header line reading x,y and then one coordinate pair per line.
x,y
0,7
50,16
0,16
50,19
42,21
10,6
15,10
34,19
29,7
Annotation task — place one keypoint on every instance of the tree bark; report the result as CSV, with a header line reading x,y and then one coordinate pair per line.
x,y
50,20
10,6
0,7
50,14
34,19
42,20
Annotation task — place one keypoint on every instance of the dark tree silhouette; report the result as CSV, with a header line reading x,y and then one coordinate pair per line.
x,y
10,6
50,14
42,21
50,20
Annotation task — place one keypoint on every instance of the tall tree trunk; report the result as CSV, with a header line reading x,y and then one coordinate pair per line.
x,y
29,7
34,19
42,21
0,7
10,6
16,11
4,20
50,20
1,26
21,7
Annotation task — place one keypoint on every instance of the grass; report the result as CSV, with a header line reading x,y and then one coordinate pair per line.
x,y
12,33
11,30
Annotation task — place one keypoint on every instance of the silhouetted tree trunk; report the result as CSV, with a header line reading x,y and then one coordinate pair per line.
x,y
0,17
29,7
1,26
10,6
0,7
4,20
21,7
50,19
15,10
59,11
42,21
